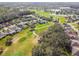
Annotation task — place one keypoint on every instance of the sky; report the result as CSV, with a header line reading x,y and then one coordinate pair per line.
x,y
39,0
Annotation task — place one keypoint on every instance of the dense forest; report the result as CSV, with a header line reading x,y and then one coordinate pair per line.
x,y
11,16
53,42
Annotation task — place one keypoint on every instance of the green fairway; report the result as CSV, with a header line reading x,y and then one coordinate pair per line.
x,y
3,40
41,27
62,19
24,41
42,13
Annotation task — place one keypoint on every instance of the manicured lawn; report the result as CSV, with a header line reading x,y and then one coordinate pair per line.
x,y
42,27
3,40
62,19
23,46
42,13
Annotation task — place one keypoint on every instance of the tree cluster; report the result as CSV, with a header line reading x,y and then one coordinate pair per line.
x,y
53,42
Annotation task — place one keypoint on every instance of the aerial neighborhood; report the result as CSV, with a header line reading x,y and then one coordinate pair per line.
x,y
17,24
42,29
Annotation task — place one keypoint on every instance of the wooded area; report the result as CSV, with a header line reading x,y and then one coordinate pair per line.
x,y
53,42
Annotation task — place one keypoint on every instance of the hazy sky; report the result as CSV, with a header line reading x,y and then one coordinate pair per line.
x,y
39,0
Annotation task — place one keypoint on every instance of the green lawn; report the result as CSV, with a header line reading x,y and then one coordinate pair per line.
x,y
23,46
2,42
42,13
42,27
62,19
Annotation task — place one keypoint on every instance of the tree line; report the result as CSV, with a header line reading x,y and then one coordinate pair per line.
x,y
11,16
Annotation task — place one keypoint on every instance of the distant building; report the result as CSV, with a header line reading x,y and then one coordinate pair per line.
x,y
2,34
65,8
